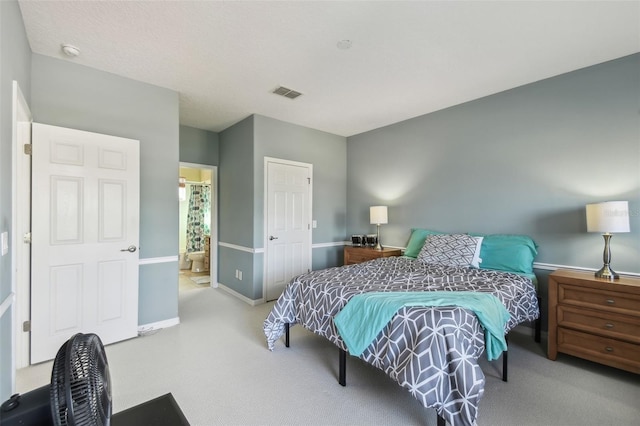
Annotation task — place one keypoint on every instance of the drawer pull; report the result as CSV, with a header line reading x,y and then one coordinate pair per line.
x,y
608,325
608,349
610,301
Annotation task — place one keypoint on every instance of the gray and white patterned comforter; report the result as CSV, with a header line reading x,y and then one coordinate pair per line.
x,y
431,351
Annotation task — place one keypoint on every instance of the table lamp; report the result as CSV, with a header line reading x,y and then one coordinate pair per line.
x,y
378,216
608,217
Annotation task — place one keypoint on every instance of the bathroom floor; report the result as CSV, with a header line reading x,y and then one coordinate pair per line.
x,y
189,280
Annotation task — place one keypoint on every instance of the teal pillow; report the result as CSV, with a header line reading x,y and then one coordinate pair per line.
x,y
512,253
416,241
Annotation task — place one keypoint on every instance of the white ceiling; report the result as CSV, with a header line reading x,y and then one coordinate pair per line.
x,y
407,58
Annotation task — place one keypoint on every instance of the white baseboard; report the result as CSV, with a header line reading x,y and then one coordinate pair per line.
x,y
152,260
154,326
240,296
553,267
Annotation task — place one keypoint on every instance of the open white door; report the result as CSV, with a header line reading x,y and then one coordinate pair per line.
x,y
85,236
288,223
21,225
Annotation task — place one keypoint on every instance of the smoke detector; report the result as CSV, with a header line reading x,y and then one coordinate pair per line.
x,y
70,50
344,44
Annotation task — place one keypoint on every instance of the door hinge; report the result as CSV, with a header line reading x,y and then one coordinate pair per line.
x,y
309,180
26,238
28,148
26,326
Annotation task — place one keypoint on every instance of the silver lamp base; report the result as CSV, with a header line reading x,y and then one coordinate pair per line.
x,y
607,273
378,245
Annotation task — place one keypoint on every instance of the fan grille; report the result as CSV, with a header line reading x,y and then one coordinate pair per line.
x,y
80,383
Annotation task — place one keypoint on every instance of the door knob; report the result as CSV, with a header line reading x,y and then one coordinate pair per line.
x,y
130,249
273,238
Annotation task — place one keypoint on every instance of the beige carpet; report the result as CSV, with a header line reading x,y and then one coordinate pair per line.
x,y
219,370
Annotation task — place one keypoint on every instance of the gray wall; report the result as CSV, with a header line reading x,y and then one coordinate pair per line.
x,y
327,153
235,201
15,64
236,184
199,146
70,95
242,151
523,161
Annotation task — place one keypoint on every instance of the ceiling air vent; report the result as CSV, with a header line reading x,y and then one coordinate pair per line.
x,y
287,93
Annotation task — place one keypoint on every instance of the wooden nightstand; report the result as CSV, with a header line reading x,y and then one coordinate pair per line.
x,y
353,255
595,319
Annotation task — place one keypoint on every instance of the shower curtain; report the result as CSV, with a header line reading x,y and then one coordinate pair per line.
x,y
198,217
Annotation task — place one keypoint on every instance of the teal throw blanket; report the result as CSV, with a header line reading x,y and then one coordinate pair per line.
x,y
366,314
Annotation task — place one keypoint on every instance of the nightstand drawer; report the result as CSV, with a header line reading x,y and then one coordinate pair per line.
x,y
606,351
599,299
359,256
353,255
595,318
600,322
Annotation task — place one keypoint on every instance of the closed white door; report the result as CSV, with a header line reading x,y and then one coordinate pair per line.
x,y
84,237
288,237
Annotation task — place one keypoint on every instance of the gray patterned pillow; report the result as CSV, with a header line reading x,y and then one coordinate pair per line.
x,y
449,249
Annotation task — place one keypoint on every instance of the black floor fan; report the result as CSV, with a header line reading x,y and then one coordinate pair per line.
x,y
79,393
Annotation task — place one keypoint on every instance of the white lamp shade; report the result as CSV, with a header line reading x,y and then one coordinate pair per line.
x,y
378,215
608,217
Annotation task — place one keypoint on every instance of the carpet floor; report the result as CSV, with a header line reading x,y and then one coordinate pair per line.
x,y
217,366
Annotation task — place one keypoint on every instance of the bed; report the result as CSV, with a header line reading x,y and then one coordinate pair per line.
x,y
432,351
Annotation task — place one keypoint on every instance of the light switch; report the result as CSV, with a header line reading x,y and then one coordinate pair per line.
x,y
314,224
5,242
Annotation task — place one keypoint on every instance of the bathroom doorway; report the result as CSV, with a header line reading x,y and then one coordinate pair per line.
x,y
198,236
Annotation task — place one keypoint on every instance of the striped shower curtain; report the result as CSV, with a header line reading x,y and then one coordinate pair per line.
x,y
198,217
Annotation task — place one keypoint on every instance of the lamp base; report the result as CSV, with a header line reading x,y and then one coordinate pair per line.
x,y
607,273
378,245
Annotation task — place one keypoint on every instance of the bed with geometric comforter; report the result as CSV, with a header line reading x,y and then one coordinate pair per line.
x,y
431,351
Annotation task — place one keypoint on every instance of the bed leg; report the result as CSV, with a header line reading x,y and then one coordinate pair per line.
x,y
286,334
505,361
441,421
538,323
342,372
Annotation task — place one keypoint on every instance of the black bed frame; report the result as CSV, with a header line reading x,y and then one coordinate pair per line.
x,y
342,357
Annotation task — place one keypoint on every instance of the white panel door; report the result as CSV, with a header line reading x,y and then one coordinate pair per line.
x,y
85,236
288,243
21,225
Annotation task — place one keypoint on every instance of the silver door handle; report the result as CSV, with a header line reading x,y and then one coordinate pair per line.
x,y
273,238
130,249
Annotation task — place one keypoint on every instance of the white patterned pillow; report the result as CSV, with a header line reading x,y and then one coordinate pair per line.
x,y
476,256
449,249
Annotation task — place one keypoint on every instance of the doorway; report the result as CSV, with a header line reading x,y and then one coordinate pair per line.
x,y
197,233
